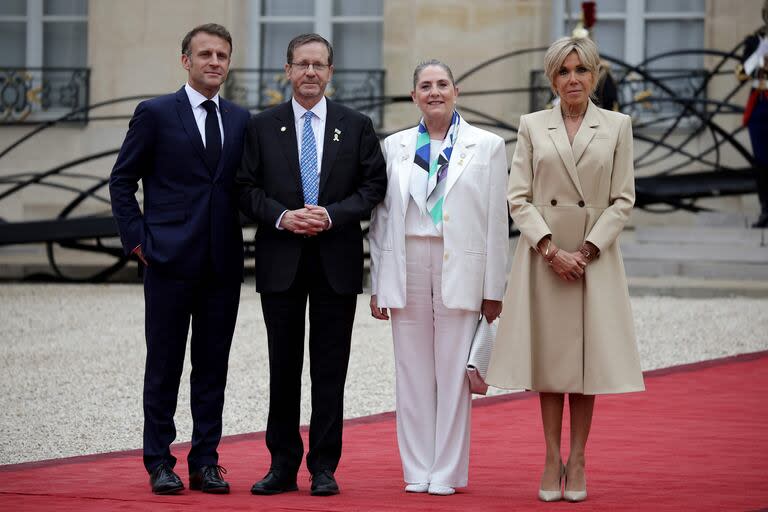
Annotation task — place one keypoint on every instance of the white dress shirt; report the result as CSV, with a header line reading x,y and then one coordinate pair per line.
x,y
320,111
320,114
417,223
196,100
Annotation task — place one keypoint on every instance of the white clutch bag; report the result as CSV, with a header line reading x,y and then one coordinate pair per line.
x,y
480,355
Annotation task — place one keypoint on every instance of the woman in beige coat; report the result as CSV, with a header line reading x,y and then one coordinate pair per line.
x,y
568,325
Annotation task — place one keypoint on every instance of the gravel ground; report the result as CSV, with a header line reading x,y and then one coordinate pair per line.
x,y
72,359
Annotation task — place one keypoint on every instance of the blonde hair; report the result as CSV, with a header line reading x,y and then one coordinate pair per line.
x,y
584,47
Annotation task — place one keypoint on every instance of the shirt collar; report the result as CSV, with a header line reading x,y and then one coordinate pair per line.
x,y
196,99
320,109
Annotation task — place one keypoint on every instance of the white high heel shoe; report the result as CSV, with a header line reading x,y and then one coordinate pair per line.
x,y
554,495
575,496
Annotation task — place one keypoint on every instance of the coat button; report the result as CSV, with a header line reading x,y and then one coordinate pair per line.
x,y
445,217
553,202
445,256
581,204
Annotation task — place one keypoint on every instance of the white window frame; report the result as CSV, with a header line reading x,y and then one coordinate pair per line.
x,y
35,20
635,19
323,21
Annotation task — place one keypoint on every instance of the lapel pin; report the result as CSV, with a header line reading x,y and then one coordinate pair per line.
x,y
336,130
282,128
336,135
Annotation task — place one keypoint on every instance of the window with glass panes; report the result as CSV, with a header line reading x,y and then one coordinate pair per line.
x,y
633,30
43,33
354,27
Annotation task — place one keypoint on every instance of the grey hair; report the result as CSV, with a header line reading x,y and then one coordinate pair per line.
x,y
431,62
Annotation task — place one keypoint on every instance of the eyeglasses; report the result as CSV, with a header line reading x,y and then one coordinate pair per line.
x,y
303,66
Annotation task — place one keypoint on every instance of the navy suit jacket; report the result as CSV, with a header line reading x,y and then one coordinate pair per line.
x,y
353,179
190,223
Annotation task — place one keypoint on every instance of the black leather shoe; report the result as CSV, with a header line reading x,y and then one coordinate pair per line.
x,y
323,483
208,479
164,481
275,483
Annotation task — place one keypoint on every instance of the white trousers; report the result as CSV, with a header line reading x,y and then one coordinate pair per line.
x,y
432,392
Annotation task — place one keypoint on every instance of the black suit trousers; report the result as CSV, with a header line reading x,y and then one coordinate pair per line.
x,y
211,304
331,316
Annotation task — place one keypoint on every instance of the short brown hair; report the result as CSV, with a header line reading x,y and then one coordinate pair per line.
x,y
303,39
584,47
213,29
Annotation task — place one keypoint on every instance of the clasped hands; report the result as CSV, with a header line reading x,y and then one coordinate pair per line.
x,y
569,266
307,221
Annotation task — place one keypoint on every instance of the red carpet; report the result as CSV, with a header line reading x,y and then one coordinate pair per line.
x,y
695,440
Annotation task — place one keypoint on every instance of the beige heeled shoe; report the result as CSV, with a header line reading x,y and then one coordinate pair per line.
x,y
554,495
575,496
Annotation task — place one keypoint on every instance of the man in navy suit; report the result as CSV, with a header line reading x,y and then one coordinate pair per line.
x,y
185,148
311,171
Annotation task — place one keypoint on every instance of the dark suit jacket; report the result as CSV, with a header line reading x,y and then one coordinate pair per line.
x,y
352,181
190,222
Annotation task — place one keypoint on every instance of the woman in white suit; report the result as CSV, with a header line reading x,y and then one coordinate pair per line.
x,y
439,244
568,327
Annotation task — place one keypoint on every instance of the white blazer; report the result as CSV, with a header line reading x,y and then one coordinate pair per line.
x,y
475,232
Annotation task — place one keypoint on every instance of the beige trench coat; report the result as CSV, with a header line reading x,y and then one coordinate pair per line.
x,y
558,336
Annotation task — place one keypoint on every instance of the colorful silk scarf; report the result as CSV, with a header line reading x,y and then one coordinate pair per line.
x,y
428,188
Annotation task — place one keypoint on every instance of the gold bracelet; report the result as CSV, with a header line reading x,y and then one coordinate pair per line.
x,y
554,253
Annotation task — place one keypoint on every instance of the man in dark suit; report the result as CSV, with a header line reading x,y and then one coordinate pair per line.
x,y
311,171
185,148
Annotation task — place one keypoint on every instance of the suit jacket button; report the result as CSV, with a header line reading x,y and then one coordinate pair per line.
x,y
445,256
553,202
581,204
445,217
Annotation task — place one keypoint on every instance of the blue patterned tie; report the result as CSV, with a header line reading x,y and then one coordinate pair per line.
x,y
310,181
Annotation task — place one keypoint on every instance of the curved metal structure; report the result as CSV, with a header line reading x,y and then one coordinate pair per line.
x,y
680,133
85,233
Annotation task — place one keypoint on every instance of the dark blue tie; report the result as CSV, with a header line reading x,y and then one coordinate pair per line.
x,y
212,134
